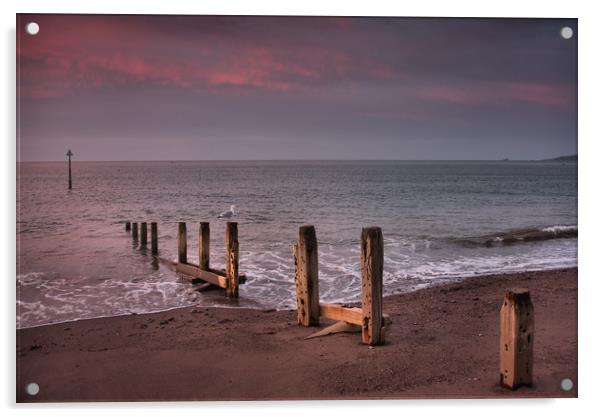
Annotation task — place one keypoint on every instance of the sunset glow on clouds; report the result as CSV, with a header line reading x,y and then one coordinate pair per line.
x,y
336,74
100,52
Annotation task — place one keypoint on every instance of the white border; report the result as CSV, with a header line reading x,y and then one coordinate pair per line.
x,y
590,68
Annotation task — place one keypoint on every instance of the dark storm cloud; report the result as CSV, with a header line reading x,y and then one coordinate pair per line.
x,y
211,87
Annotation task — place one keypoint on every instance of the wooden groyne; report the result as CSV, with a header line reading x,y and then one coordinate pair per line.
x,y
369,318
202,276
517,325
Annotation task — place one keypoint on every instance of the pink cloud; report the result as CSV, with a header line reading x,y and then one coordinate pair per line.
x,y
71,54
495,92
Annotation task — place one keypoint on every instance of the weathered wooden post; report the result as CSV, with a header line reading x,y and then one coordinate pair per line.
x,y
232,259
372,260
305,252
128,226
204,236
135,231
154,239
516,339
69,154
143,234
182,256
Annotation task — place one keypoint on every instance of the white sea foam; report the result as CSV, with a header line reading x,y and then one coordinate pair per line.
x,y
29,278
270,281
559,228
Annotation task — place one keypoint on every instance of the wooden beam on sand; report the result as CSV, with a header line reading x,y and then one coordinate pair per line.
x,y
128,226
338,327
517,329
195,272
352,315
344,326
204,241
372,261
305,252
135,231
182,256
232,259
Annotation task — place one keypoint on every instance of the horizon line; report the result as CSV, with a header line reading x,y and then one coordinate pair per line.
x,y
301,160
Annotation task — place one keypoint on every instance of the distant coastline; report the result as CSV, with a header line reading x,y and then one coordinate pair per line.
x,y
568,158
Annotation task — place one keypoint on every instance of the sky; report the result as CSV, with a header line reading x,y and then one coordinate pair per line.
x,y
129,87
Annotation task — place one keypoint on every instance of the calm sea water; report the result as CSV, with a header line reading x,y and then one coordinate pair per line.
x,y
440,220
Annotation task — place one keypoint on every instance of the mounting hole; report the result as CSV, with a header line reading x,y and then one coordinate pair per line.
x,y
566,384
32,28
32,388
566,32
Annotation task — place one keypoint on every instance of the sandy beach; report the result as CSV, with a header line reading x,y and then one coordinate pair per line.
x,y
443,343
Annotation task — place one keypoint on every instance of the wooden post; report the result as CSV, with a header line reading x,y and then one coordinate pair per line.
x,y
128,226
182,256
305,252
517,330
135,231
372,260
143,234
232,259
154,239
204,237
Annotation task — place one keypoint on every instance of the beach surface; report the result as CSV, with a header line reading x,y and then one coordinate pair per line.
x,y
443,343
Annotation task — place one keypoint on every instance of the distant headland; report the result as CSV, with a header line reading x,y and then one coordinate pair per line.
x,y
569,158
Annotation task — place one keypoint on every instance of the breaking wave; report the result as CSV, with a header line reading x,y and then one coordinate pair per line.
x,y
521,236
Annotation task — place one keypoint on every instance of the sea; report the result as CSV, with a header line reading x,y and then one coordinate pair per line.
x,y
442,221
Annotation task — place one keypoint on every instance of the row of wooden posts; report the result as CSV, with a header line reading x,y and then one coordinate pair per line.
x,y
144,235
516,314
228,279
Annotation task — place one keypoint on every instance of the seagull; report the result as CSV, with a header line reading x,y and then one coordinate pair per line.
x,y
228,213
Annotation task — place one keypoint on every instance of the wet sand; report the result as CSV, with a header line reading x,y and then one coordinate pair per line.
x,y
443,343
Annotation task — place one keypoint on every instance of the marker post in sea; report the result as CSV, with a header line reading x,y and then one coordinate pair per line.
x,y
69,154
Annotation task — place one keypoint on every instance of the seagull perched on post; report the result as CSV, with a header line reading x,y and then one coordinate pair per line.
x,y
228,213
